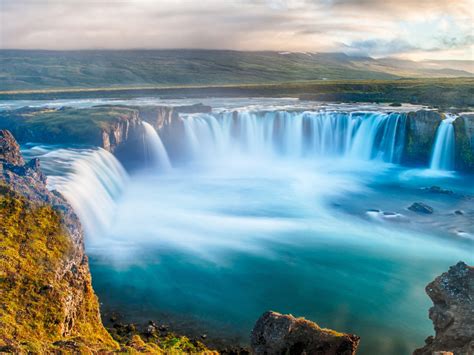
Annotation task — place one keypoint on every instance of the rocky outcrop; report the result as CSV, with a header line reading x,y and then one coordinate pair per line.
x,y
48,301
275,333
160,116
103,126
421,207
9,149
464,133
452,313
420,136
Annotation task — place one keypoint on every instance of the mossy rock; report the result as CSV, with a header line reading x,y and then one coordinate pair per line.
x,y
420,136
34,247
66,125
464,138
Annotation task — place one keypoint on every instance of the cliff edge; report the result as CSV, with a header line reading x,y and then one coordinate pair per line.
x,y
47,303
452,313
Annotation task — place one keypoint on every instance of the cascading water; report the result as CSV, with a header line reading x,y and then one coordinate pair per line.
x,y
359,135
194,239
155,150
443,152
91,181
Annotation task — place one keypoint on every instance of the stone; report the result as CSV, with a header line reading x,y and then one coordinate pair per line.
x,y
421,207
452,313
275,333
76,300
9,149
439,190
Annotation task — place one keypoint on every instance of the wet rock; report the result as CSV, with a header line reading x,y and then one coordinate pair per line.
x,y
150,330
452,313
438,190
421,207
276,333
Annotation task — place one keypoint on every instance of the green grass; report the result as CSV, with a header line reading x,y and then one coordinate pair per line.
x,y
40,69
443,92
22,70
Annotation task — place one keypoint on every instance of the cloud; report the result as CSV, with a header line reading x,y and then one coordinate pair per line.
x,y
379,47
365,26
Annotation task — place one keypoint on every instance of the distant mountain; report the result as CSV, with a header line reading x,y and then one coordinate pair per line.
x,y
38,69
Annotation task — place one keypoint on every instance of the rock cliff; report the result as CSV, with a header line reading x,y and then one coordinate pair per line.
x,y
464,133
103,126
160,116
47,301
275,333
452,313
420,136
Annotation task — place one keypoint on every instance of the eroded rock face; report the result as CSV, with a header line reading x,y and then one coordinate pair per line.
x,y
464,133
452,313
161,116
78,304
9,149
275,333
421,133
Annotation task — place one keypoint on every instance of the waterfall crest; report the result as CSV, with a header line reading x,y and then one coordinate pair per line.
x,y
91,181
442,157
155,151
359,135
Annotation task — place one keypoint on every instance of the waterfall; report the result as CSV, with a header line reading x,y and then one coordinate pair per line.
x,y
91,180
154,148
443,152
358,135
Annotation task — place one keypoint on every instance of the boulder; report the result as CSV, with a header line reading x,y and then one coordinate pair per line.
x,y
421,207
9,149
275,333
438,190
452,313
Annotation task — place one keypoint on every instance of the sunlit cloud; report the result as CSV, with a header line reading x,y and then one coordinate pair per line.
x,y
366,27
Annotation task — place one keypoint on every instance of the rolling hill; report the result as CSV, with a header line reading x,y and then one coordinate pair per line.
x,y
39,69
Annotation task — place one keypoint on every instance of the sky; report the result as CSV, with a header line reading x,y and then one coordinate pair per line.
x,y
411,29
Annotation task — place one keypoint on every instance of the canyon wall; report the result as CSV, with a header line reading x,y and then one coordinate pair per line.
x,y
464,133
47,304
420,136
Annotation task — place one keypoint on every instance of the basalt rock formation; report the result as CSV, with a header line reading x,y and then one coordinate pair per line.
x,y
420,136
276,333
103,126
464,133
452,313
160,116
47,303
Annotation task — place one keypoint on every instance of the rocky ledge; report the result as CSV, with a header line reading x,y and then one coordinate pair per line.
x,y
275,333
452,313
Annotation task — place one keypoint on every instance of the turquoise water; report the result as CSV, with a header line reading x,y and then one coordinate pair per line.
x,y
210,248
291,211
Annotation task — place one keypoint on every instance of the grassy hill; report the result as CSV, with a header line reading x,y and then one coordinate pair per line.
x,y
37,69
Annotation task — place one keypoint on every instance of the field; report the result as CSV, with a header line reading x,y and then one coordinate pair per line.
x,y
441,92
